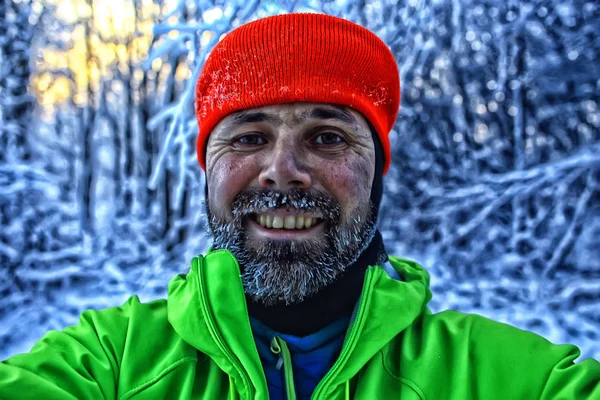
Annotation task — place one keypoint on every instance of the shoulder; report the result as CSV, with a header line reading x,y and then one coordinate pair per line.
x,y
115,324
481,336
475,352
476,331
144,336
109,324
110,353
132,309
129,329
136,338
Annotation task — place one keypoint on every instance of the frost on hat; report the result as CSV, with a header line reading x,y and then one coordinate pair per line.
x,y
299,57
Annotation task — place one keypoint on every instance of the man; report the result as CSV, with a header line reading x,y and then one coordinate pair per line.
x,y
298,297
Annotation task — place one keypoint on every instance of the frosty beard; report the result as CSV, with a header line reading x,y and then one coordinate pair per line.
x,y
275,272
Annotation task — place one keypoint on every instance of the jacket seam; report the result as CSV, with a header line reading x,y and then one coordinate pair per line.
x,y
199,277
404,380
150,382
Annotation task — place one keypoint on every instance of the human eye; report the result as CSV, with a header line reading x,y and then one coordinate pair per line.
x,y
252,139
329,139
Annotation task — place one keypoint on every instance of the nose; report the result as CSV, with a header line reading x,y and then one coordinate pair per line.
x,y
283,171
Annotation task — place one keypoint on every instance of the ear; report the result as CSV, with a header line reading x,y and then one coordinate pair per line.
x,y
377,186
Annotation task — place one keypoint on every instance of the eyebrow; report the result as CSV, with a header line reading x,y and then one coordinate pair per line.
x,y
246,117
334,111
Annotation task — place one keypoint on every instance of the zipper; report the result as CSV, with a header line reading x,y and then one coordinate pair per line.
x,y
279,347
352,337
237,365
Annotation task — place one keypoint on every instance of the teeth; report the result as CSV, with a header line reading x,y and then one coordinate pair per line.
x,y
289,222
308,221
277,222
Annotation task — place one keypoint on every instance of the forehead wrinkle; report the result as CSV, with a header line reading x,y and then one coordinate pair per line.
x,y
245,117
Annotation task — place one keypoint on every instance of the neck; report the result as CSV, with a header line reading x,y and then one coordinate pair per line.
x,y
325,307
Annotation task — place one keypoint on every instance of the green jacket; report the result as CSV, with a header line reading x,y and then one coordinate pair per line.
x,y
199,345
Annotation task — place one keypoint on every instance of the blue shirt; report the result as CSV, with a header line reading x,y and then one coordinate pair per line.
x,y
312,356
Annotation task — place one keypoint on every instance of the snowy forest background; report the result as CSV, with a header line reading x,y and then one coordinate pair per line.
x,y
494,187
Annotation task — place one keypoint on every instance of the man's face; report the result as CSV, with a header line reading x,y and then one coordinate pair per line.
x,y
289,195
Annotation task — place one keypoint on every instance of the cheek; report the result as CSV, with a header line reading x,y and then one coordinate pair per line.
x,y
349,181
228,177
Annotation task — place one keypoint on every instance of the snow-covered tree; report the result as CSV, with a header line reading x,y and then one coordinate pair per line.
x,y
15,103
494,184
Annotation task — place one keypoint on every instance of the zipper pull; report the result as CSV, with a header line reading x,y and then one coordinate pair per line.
x,y
276,349
279,347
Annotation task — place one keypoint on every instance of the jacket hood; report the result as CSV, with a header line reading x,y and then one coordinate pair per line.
x,y
207,308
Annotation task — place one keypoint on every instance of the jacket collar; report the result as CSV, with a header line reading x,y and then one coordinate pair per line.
x,y
387,306
207,308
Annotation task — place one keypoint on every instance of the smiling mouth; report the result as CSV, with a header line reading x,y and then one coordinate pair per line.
x,y
286,222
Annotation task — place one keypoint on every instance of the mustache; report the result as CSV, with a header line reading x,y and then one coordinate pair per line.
x,y
259,200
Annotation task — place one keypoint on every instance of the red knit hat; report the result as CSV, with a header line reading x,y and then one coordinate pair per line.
x,y
299,57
